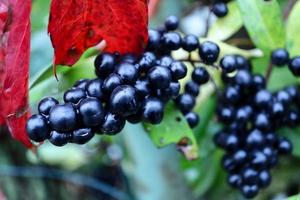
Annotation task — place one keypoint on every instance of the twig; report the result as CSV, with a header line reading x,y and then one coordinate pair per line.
x,y
269,72
288,9
76,179
207,23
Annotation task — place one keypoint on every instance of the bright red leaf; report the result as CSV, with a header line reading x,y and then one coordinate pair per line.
x,y
77,25
152,7
14,66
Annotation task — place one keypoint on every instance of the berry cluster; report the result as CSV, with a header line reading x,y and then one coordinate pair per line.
x,y
251,116
127,88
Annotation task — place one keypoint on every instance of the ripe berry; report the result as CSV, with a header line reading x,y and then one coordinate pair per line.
x,y
105,64
111,82
231,142
209,52
91,112
283,97
190,43
82,136
262,122
146,62
165,61
280,57
240,157
219,9
142,87
243,78
81,83
46,104
200,75
232,94
234,180
74,95
228,163
277,110
293,118
112,124
37,128
242,63
228,63
159,77
192,88
249,191
94,89
172,91
124,100
178,69
254,139
185,102
171,40
59,138
292,91
127,72
284,146
192,118
128,58
262,98
294,66
258,160
153,110
171,23
250,176
153,40
258,82
264,179
226,114
63,117
243,114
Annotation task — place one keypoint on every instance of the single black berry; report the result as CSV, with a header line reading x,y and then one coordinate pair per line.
x,y
219,9
105,64
112,124
228,63
171,40
159,77
91,112
192,88
60,138
190,42
37,128
74,95
178,69
153,110
111,82
294,65
171,23
185,102
127,72
192,118
82,136
46,104
209,52
200,75
94,89
63,117
280,57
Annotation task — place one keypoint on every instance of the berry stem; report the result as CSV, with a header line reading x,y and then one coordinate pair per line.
x,y
269,72
207,23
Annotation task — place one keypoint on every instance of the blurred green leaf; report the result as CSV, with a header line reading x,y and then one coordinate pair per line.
x,y
226,26
294,136
297,197
174,130
293,30
263,22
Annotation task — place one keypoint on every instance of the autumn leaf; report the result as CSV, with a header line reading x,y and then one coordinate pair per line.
x,y
14,66
77,25
152,7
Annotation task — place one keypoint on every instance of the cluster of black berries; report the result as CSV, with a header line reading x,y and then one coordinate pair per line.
x,y
251,116
126,88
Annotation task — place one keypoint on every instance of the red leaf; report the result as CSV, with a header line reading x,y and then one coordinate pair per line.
x,y
14,66
77,25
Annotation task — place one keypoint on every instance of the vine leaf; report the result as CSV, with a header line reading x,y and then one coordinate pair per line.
x,y
293,30
14,66
74,26
263,21
174,130
226,26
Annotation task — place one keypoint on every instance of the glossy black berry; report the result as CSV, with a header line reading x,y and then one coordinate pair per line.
x,y
293,118
264,179
293,92
263,98
74,95
254,139
192,88
81,83
228,63
60,138
200,75
37,128
94,89
127,72
243,114
250,176
153,40
178,69
283,97
112,124
219,9
242,63
294,66
46,104
280,57
124,100
128,58
209,52
258,82
277,110
249,191
105,64
172,91
190,42
234,180
82,136
185,102
171,23
63,117
240,157
243,78
171,40
192,118
153,110
159,77
259,160
146,62
142,87
262,121
111,82
231,142
284,146
226,114
232,94
228,163
91,112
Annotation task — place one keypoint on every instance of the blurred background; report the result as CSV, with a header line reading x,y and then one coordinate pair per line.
x,y
129,166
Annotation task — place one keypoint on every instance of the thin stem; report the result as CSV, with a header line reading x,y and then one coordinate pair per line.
x,y
207,23
288,8
269,72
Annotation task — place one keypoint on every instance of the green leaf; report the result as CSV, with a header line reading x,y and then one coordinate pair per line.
x,y
297,197
226,26
294,137
174,130
293,30
263,22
